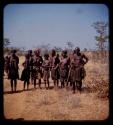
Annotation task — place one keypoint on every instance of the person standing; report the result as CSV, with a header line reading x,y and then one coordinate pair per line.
x,y
55,75
79,60
63,68
13,70
31,65
46,69
26,72
37,68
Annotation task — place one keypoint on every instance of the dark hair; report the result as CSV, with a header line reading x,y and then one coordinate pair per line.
x,y
46,55
53,52
64,53
14,51
30,51
77,49
57,55
37,52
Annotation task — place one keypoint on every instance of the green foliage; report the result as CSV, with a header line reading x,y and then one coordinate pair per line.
x,y
101,29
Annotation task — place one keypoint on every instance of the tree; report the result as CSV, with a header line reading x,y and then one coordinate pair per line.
x,y
85,49
102,37
44,48
58,49
6,42
70,45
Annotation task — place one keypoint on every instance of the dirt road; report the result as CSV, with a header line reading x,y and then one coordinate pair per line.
x,y
53,104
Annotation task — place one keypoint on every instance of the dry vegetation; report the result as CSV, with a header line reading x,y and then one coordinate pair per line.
x,y
61,104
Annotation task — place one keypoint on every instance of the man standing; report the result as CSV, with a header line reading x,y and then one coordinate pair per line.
x,y
63,68
13,70
31,64
78,71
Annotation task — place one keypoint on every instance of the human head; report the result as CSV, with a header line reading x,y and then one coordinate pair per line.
x,y
37,52
29,52
57,55
27,56
46,56
77,49
53,52
13,52
64,53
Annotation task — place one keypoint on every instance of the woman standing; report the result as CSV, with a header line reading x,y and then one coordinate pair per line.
x,y
63,68
55,75
46,69
26,72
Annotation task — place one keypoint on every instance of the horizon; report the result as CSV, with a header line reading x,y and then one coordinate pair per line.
x,y
33,25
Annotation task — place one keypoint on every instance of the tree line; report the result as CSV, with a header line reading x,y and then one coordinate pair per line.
x,y
101,39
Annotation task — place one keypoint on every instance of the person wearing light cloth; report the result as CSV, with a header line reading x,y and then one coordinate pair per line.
x,y
46,69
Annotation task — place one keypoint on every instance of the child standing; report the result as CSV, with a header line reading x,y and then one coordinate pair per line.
x,y
46,69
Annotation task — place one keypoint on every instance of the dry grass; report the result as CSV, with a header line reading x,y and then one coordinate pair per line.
x,y
97,79
61,104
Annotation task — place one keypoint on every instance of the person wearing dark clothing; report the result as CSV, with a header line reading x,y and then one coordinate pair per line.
x,y
13,70
55,75
31,65
46,69
26,72
37,70
79,60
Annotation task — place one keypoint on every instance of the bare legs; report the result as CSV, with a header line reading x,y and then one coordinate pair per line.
x,y
13,85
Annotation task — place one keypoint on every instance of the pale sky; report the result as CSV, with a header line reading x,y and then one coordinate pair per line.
x,y
31,25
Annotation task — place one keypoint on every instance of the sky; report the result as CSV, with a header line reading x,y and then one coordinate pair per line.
x,y
32,25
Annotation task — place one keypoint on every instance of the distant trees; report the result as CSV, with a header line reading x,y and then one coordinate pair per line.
x,y
6,42
44,48
85,49
102,37
58,49
7,48
70,45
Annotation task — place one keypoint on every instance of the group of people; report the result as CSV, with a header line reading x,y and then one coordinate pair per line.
x,y
65,68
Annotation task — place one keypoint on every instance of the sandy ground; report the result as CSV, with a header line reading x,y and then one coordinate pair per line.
x,y
52,104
